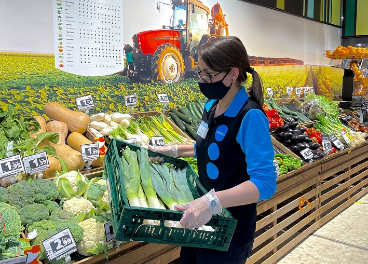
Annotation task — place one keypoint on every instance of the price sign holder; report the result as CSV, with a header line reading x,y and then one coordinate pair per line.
x,y
131,102
306,90
85,103
157,141
298,91
20,260
347,137
36,163
164,99
59,245
289,91
270,92
336,142
131,141
90,152
307,153
11,166
109,232
326,144
311,89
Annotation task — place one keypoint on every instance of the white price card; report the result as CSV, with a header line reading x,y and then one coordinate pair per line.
x,y
131,141
59,245
311,89
326,143
36,162
336,142
85,102
20,260
109,232
131,100
307,153
11,166
306,90
90,151
298,91
346,136
163,98
270,92
289,90
157,141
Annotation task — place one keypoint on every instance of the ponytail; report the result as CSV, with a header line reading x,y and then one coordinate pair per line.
x,y
256,89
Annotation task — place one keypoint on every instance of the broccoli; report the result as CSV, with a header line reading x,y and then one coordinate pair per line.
x,y
44,190
4,195
52,206
32,213
43,234
21,194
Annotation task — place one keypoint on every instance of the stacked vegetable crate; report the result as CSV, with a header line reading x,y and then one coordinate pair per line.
x,y
129,222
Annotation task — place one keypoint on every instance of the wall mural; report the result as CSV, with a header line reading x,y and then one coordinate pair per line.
x,y
156,61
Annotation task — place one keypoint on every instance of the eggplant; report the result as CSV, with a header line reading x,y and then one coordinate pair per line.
x,y
295,148
313,146
294,139
300,145
301,138
289,130
287,142
293,125
280,136
288,135
282,128
297,132
301,129
308,140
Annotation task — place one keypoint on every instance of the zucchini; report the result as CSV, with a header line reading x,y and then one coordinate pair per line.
x,y
183,117
186,112
177,120
200,108
191,131
195,110
191,110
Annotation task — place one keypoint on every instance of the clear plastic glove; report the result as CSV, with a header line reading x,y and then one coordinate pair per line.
x,y
169,150
200,211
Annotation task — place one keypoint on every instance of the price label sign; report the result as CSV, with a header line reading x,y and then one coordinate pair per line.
x,y
336,142
163,98
326,143
289,90
306,90
347,136
90,151
270,92
11,166
131,141
85,102
307,153
311,90
131,100
59,245
109,232
157,141
35,163
298,91
20,260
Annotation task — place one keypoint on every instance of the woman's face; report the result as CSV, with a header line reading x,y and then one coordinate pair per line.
x,y
208,75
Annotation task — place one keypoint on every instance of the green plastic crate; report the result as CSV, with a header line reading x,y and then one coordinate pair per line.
x,y
128,220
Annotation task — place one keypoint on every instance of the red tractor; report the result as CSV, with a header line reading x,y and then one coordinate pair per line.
x,y
170,53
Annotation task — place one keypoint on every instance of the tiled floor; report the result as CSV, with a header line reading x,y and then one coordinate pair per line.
x,y
343,240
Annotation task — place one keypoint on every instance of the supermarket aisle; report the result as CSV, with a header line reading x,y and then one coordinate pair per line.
x,y
342,240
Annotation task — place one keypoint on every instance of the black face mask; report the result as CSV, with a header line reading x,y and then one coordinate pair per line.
x,y
216,90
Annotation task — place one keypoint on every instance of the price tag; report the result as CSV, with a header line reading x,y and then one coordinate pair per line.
x,y
85,102
109,232
277,168
59,245
336,142
289,90
157,141
163,98
311,90
131,100
298,91
307,153
90,151
131,141
326,143
345,136
35,163
20,260
270,92
306,90
11,166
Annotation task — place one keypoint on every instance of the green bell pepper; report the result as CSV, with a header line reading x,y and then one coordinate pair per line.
x,y
283,169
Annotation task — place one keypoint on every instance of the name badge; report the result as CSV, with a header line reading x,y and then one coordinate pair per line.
x,y
202,130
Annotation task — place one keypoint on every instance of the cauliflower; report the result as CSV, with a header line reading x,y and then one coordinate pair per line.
x,y
72,177
94,239
105,196
78,205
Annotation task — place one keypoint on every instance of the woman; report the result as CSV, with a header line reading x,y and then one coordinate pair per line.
x,y
233,147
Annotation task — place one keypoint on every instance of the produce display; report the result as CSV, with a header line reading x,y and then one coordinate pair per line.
x,y
286,113
287,163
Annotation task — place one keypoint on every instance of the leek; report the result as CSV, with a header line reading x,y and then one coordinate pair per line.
x,y
132,177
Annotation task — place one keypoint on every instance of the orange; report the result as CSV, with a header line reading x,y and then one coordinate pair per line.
x,y
329,54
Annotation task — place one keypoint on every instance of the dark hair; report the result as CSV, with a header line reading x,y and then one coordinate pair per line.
x,y
226,52
128,48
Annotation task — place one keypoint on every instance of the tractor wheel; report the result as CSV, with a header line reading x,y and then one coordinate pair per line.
x,y
167,64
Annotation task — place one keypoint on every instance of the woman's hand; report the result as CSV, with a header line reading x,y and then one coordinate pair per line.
x,y
199,212
168,150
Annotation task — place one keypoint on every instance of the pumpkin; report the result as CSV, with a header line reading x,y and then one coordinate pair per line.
x,y
71,157
58,127
75,140
75,121
55,166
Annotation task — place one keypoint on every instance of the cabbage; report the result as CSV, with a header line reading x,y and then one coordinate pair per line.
x,y
9,221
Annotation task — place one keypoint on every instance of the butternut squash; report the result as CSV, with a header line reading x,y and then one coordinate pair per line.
x,y
75,140
76,121
41,121
58,127
72,157
55,166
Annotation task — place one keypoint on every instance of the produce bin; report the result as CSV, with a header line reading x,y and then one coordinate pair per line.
x,y
128,221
